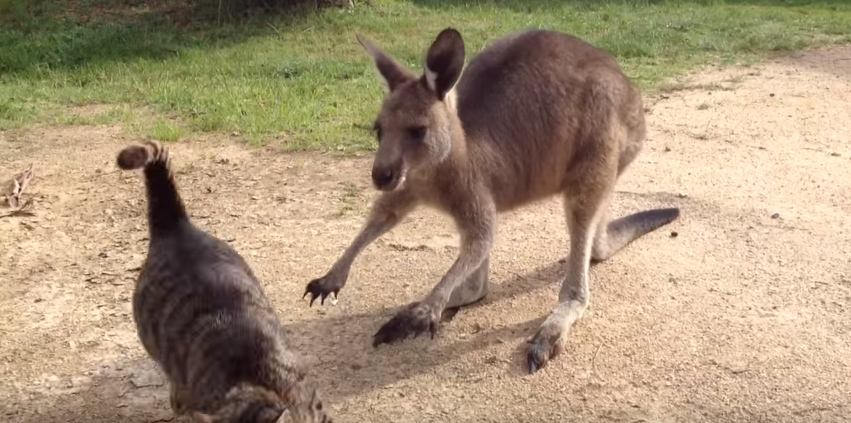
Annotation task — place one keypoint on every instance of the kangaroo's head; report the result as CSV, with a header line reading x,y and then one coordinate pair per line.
x,y
415,124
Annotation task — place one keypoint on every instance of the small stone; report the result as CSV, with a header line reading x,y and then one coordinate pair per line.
x,y
667,149
775,216
771,95
146,378
79,381
163,416
674,234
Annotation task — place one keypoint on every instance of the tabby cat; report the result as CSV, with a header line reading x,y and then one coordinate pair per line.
x,y
203,318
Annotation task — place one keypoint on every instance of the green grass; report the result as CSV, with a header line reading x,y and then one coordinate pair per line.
x,y
164,130
301,78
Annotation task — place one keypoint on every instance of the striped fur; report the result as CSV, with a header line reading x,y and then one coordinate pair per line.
x,y
201,314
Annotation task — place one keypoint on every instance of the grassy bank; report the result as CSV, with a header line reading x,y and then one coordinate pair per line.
x,y
302,78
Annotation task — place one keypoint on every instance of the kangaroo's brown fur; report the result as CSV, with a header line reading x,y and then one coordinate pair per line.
x,y
536,114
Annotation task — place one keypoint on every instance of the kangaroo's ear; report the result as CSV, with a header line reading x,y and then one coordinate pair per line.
x,y
393,72
444,62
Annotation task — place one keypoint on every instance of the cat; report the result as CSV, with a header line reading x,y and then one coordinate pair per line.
x,y
202,316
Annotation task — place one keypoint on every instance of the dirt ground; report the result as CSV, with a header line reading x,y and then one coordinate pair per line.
x,y
744,315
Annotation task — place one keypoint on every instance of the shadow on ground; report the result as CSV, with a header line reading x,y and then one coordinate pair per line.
x,y
538,5
62,36
831,61
135,391
343,343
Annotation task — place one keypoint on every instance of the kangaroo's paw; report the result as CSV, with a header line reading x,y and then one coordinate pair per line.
x,y
545,346
322,287
414,319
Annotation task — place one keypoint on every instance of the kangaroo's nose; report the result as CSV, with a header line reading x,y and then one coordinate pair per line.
x,y
382,178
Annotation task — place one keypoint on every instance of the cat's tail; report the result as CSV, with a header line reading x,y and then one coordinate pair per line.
x,y
165,207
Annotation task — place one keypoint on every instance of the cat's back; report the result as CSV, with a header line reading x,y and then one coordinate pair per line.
x,y
189,283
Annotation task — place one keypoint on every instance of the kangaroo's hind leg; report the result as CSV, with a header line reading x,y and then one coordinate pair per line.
x,y
589,185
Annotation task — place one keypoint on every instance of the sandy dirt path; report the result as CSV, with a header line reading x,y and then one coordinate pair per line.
x,y
744,316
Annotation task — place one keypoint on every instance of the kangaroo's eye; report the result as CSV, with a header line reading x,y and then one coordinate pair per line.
x,y
417,133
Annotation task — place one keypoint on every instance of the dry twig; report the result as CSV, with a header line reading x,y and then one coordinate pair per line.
x,y
14,188
594,359
25,210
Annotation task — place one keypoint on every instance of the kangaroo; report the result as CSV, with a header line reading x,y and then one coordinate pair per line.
x,y
202,316
536,114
